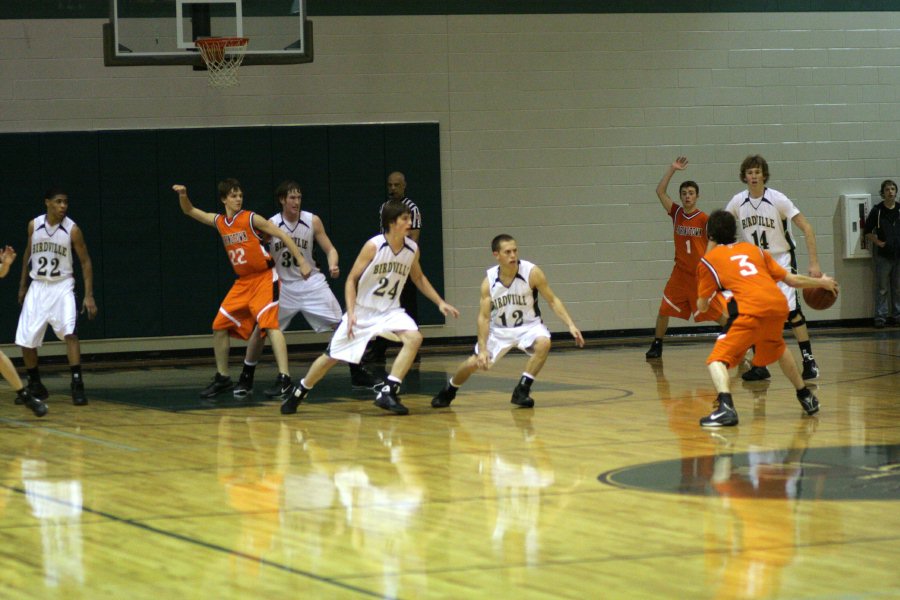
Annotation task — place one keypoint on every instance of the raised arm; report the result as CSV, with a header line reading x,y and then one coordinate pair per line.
x,y
26,260
327,247
190,210
87,272
421,282
679,164
538,281
269,228
800,221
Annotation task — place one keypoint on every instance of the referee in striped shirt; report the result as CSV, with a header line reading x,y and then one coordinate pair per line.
x,y
396,190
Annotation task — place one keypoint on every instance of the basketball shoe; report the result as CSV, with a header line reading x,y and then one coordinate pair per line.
x,y
363,379
443,397
723,414
220,383
520,397
37,389
282,386
655,350
292,401
78,396
810,368
756,374
809,402
244,385
23,396
389,398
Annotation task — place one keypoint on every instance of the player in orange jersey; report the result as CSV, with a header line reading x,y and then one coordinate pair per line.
x,y
689,230
745,276
253,298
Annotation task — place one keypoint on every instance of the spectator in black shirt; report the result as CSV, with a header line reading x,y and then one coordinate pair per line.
x,y
883,231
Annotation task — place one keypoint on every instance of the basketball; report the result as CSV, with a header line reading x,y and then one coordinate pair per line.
x,y
818,298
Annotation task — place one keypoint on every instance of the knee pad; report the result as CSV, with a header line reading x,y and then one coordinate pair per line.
x,y
796,314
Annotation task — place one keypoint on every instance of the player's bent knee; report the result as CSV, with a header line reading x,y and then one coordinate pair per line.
x,y
796,318
412,338
542,345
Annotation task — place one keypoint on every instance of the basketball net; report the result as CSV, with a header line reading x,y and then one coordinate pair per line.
x,y
223,56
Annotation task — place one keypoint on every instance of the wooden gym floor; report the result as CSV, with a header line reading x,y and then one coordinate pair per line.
x,y
608,488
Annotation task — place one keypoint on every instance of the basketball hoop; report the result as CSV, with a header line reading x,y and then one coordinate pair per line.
x,y
223,56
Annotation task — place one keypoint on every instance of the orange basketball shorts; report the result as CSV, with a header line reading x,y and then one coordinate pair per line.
x,y
251,301
680,299
766,333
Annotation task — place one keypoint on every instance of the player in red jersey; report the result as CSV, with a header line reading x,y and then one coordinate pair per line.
x,y
746,277
253,298
689,229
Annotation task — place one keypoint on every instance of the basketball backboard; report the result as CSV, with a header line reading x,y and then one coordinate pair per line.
x,y
162,32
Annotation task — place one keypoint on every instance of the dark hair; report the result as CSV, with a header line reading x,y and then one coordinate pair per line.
x,y
226,186
752,162
721,227
53,192
391,211
886,183
687,184
503,237
284,188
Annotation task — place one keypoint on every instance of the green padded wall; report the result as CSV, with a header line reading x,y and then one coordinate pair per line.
x,y
159,273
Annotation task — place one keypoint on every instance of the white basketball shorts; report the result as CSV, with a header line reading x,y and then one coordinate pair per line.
x,y
369,323
47,303
311,297
503,339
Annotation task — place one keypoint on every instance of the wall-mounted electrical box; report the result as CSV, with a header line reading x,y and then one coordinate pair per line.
x,y
855,208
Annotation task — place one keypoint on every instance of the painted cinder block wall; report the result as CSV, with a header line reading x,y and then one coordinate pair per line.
x,y
554,128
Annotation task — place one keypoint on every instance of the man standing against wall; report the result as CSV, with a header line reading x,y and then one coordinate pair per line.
x,y
883,231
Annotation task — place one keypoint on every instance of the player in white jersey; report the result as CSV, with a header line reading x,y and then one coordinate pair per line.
x,y
372,294
47,291
509,317
396,191
311,296
764,217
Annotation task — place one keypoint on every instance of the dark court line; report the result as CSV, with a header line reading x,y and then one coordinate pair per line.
x,y
207,545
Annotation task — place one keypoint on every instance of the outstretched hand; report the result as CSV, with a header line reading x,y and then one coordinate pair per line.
x,y
576,333
680,163
448,310
7,255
